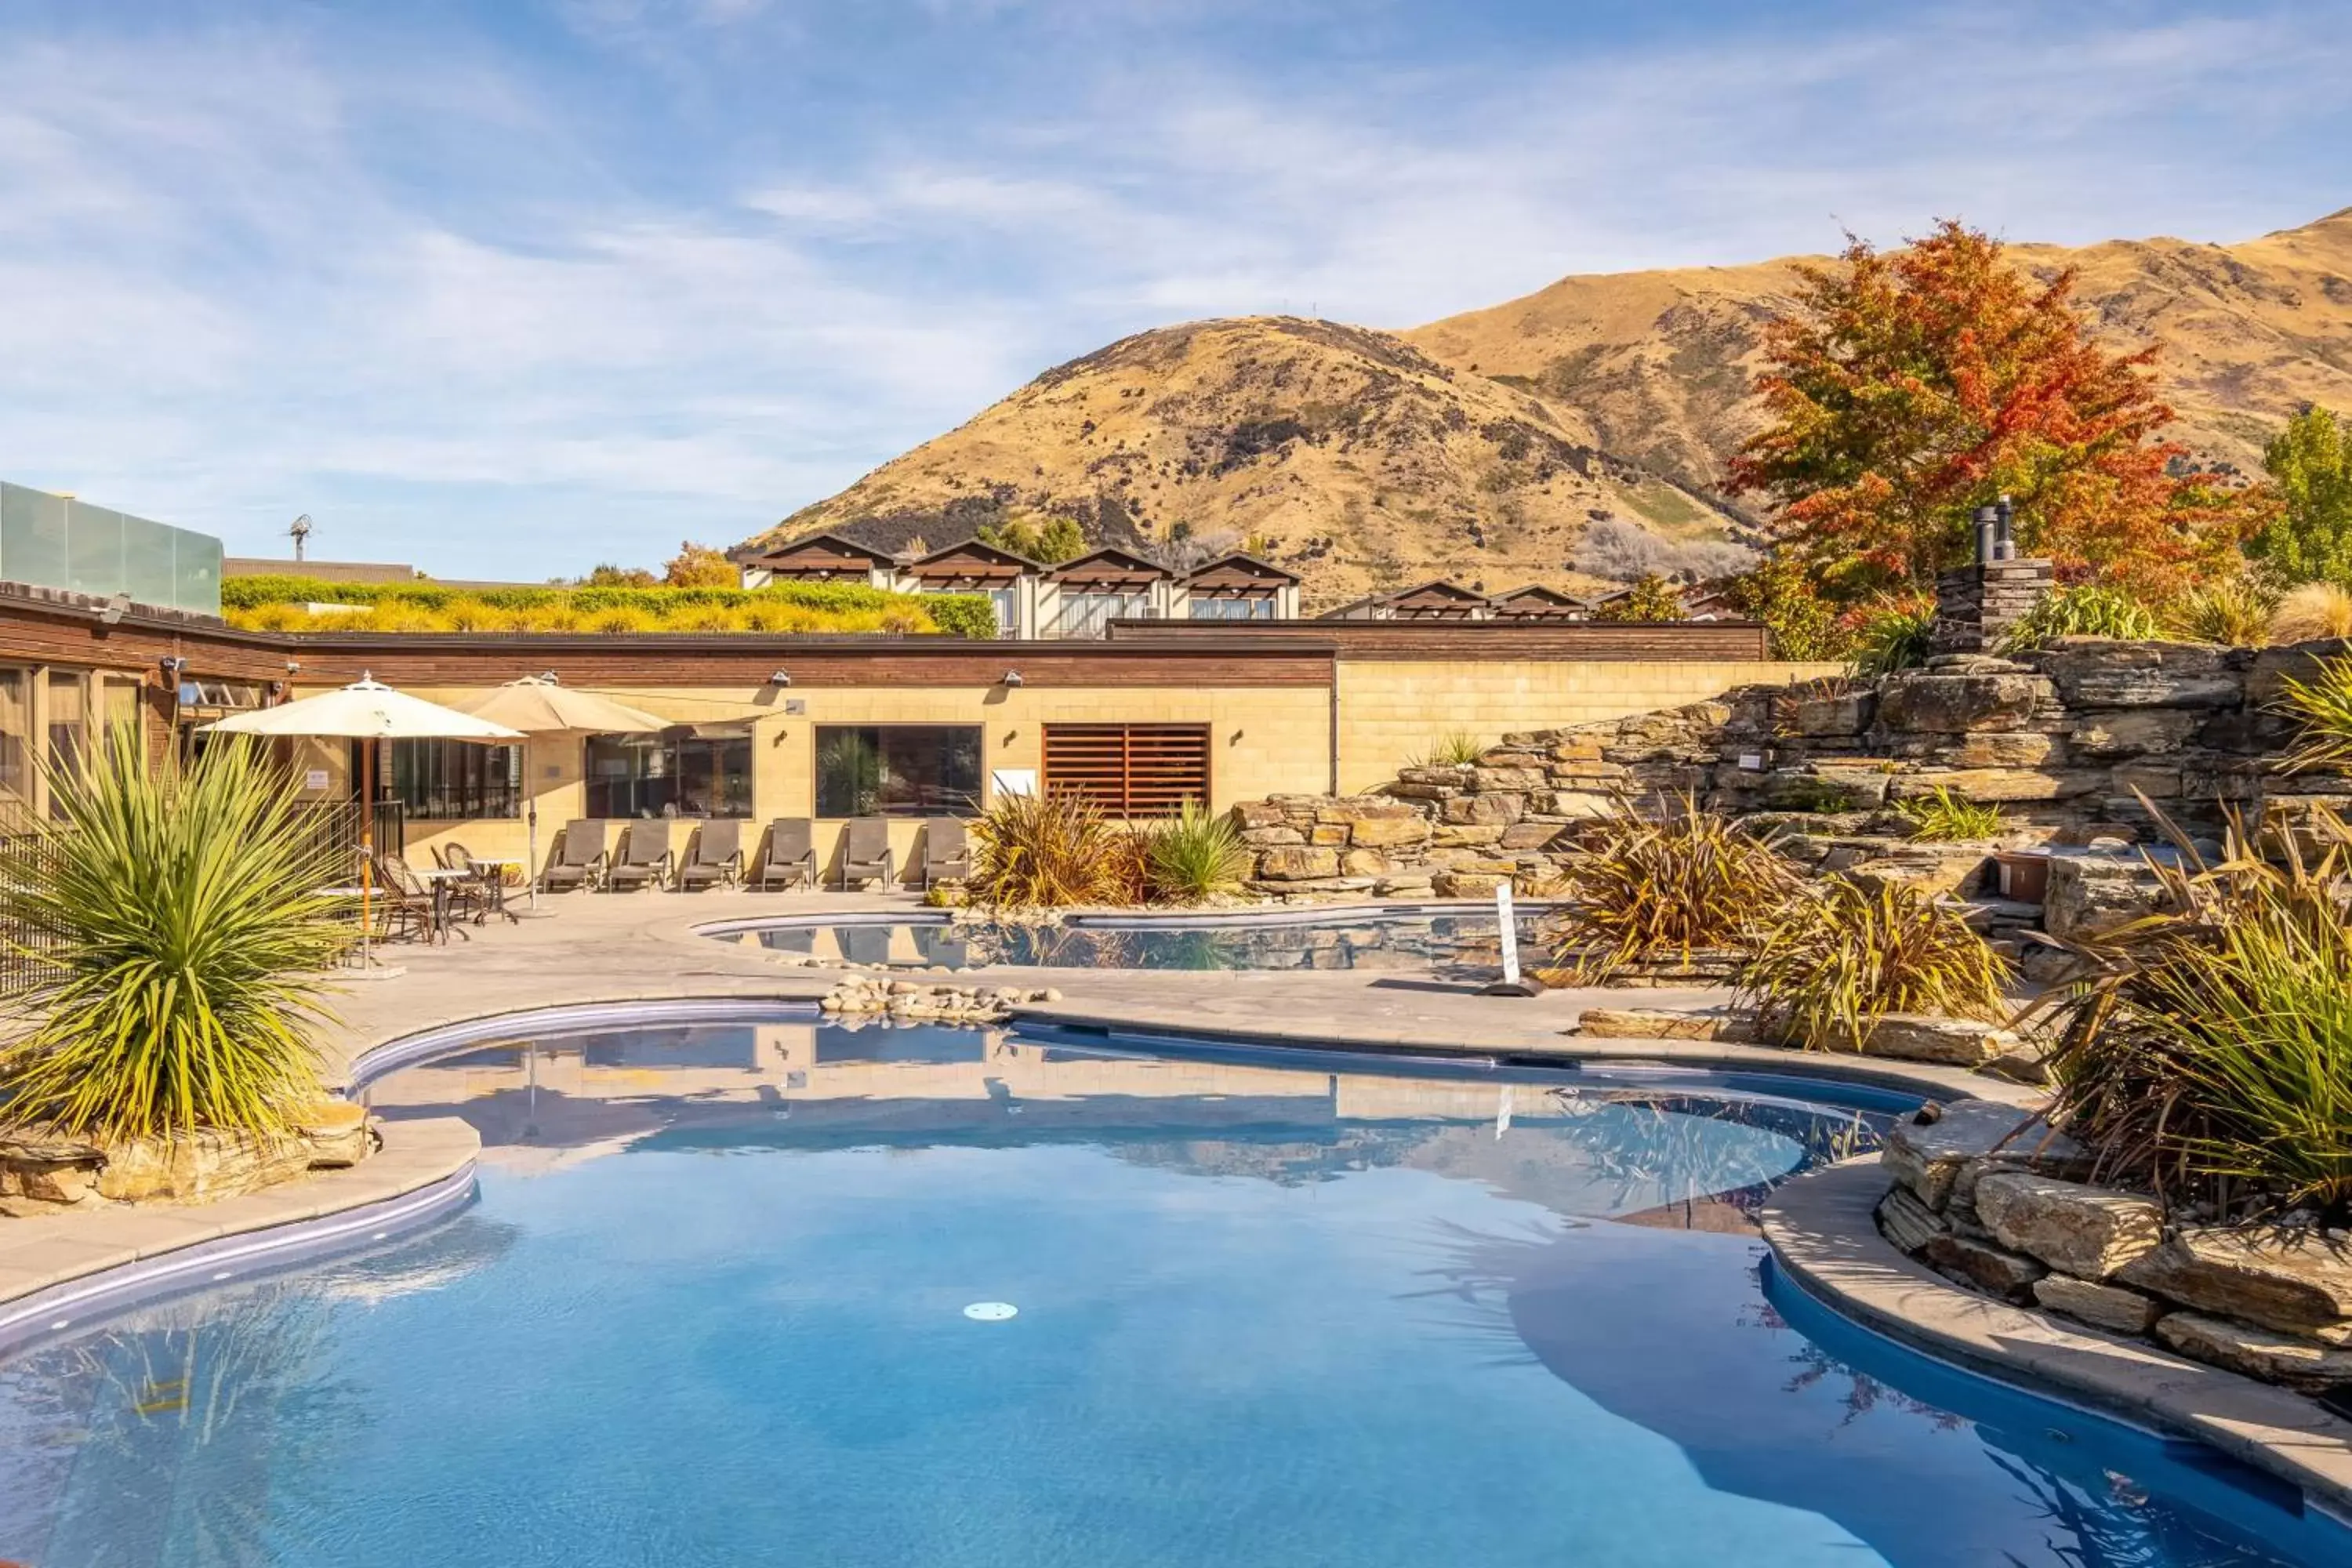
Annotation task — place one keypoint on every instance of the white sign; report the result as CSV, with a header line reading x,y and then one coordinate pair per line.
x,y
315,779
1510,927
1013,780
1752,761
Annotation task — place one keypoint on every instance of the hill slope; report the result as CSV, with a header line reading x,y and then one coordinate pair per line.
x,y
1484,446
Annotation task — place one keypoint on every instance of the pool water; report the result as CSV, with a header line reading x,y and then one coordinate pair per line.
x,y
711,1308
1359,941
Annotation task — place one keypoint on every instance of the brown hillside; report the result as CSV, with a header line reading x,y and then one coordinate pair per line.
x,y
1343,453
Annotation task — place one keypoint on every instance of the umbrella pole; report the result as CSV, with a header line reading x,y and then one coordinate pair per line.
x,y
531,870
367,841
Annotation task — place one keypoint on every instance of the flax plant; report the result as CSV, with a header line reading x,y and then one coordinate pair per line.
x,y
182,939
1844,955
1195,855
1047,851
1645,888
1945,817
2322,710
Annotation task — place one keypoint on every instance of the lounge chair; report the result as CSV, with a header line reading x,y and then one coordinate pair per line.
x,y
865,852
715,854
947,858
580,857
791,854
645,858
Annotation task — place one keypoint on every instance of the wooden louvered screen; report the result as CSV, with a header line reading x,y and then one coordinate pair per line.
x,y
1129,770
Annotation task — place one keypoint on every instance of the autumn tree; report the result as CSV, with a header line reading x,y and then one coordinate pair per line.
x,y
699,566
1651,598
2309,537
1918,384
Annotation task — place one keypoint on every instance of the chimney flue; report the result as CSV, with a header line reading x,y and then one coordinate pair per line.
x,y
2003,541
1988,533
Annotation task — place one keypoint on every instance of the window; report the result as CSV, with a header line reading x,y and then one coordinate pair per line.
x,y
68,726
1129,770
455,781
15,736
696,770
1254,609
1008,610
120,697
1086,614
898,770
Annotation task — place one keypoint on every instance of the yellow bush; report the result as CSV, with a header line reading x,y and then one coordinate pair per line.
x,y
605,623
2314,611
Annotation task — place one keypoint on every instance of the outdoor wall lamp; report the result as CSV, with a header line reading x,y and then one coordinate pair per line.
x,y
780,678
1011,678
548,677
293,667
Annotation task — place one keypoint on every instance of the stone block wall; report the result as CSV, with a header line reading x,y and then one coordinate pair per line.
x,y
1978,605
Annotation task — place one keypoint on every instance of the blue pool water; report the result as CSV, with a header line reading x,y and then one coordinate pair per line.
x,y
1415,942
710,1309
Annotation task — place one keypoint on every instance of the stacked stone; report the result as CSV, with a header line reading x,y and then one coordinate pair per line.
x,y
1978,605
1991,1201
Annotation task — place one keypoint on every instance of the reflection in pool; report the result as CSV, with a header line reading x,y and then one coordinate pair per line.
x,y
710,1309
1416,941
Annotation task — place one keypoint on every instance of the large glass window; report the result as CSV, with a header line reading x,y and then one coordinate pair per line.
x,y
456,781
1253,608
16,738
69,697
898,770
1086,614
692,771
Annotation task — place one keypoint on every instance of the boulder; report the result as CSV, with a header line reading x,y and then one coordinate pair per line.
x,y
2089,1232
1934,870
1990,1269
1498,780
1467,884
198,1167
1297,863
1959,703
1659,1023
1329,834
2001,749
2294,1280
1248,814
2106,1307
1267,837
2272,1358
2090,673
2089,894
1848,713
1364,863
1928,1157
1531,836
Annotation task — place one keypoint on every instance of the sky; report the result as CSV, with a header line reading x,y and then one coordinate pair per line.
x,y
509,287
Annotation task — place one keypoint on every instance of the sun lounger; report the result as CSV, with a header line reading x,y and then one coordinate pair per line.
x,y
791,853
715,854
579,856
865,852
645,858
947,858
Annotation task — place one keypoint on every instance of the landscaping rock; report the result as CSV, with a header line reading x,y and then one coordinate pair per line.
x,y
199,1167
2089,895
1924,1037
2133,731
1297,863
2089,1232
1990,1269
2106,1307
1959,702
2101,674
1848,713
1909,1222
2297,1280
1251,814
1393,827
1660,1023
2273,1358
1468,884
1486,810
1928,1157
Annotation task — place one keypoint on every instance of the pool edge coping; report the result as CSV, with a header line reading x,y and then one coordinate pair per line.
x,y
1823,1234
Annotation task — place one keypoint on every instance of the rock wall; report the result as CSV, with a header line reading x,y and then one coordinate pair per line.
x,y
2067,741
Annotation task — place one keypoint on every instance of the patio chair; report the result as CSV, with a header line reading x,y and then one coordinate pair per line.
x,y
715,854
470,896
946,854
580,857
791,853
410,907
645,860
865,852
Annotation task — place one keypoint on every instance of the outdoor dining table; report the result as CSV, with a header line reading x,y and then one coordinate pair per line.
x,y
439,878
494,868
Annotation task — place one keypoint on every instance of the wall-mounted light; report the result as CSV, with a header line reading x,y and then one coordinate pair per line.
x,y
1011,678
1010,736
548,677
112,611
1236,739
293,667
171,666
780,678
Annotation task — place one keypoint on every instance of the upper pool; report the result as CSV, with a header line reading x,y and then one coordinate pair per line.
x,y
716,1305
1413,939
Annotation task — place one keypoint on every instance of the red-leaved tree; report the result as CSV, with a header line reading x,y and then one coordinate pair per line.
x,y
1921,384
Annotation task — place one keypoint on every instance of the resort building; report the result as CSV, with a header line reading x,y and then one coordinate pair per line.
x,y
1160,686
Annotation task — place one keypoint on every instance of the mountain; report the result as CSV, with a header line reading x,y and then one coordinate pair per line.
x,y
1585,426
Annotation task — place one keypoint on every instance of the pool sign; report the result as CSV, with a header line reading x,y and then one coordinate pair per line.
x,y
1511,929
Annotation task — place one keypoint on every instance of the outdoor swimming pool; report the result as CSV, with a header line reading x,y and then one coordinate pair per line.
x,y
1358,940
1266,1308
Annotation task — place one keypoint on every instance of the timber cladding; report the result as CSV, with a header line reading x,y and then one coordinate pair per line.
x,y
1667,642
1129,770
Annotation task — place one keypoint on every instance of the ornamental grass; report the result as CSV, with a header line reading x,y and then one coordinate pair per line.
x,y
1193,856
1646,887
180,943
1048,851
2321,707
1945,817
1843,954
2204,1053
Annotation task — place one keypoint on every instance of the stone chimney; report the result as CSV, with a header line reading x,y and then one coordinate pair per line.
x,y
1978,603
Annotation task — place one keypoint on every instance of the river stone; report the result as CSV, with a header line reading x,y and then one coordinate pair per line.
x,y
2298,1281
1928,1157
2273,1358
2106,1307
2090,1232
2007,1275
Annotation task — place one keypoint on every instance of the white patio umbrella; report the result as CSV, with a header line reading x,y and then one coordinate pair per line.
x,y
367,710
541,705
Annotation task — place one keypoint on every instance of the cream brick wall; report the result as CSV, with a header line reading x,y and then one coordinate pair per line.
x,y
1391,712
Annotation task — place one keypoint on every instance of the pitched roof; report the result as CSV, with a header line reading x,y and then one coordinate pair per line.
x,y
1243,562
1108,562
752,555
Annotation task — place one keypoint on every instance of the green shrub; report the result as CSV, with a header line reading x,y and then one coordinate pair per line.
x,y
1645,888
2322,711
1946,817
1459,748
1892,636
1048,851
1195,855
273,603
1803,625
961,614
1843,954
2235,612
1652,598
2085,610
183,942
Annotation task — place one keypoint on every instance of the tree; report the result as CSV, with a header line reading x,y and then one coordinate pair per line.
x,y
699,566
2309,538
1057,540
1779,592
1917,385
1652,598
608,575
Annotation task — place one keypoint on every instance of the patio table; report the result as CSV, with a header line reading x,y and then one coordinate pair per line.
x,y
495,868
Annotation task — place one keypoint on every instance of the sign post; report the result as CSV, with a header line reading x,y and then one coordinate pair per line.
x,y
1508,925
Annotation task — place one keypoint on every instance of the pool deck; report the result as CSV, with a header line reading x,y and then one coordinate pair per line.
x,y
602,949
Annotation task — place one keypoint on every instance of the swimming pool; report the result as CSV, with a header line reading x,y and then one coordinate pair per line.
x,y
714,1307
1358,940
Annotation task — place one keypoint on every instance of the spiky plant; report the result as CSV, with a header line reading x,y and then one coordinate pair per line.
x,y
1047,851
1458,749
2085,610
182,937
1843,954
2234,611
1195,855
2205,1052
2321,707
1945,817
1646,886
2311,612
1895,635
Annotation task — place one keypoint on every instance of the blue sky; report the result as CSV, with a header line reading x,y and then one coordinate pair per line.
x,y
509,287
